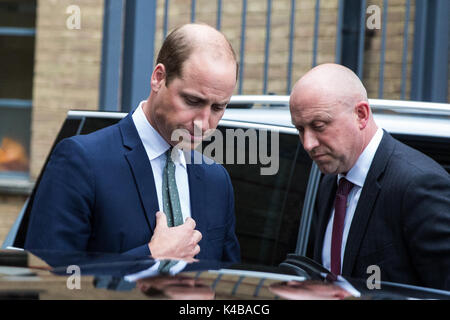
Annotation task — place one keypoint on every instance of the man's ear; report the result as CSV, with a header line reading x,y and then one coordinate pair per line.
x,y
362,111
158,77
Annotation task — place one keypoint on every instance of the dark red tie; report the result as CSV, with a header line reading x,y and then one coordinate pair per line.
x,y
340,206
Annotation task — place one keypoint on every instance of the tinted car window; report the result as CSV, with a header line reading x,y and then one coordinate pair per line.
x,y
69,128
94,124
268,207
435,147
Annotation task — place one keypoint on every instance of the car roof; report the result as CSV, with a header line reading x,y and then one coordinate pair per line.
x,y
398,117
272,112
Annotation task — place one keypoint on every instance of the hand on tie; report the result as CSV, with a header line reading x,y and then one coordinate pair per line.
x,y
180,242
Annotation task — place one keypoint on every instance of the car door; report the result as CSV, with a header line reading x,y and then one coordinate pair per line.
x,y
268,207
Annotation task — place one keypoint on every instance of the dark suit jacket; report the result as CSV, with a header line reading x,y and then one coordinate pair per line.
x,y
402,220
97,194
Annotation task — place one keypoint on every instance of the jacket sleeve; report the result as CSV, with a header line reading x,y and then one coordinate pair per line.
x,y
426,216
62,208
231,251
64,205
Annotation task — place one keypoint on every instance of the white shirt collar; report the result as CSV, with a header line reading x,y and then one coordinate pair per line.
x,y
358,173
154,144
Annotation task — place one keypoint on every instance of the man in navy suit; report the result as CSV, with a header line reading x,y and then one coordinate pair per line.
x,y
103,192
381,206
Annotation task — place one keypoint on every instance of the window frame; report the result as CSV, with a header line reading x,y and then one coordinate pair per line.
x,y
8,179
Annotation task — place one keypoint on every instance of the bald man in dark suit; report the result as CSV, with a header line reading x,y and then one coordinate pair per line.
x,y
380,202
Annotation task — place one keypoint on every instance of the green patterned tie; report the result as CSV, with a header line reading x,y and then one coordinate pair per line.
x,y
171,199
171,204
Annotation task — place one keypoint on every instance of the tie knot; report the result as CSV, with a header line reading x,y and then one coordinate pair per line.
x,y
344,187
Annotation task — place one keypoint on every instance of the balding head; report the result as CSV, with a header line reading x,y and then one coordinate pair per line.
x,y
190,39
329,107
336,81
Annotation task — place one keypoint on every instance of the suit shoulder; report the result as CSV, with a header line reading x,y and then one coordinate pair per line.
x,y
213,169
217,169
406,158
200,159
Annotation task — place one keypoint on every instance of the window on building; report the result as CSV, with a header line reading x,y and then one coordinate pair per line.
x,y
17,40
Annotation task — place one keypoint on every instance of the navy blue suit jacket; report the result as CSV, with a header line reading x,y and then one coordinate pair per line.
x,y
401,222
97,194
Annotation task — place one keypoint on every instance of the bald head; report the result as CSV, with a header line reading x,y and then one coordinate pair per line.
x,y
189,39
330,109
333,80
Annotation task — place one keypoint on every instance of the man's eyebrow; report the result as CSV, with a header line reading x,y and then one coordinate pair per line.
x,y
223,103
322,116
203,100
193,96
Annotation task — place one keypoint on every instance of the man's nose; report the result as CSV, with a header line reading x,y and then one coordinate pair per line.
x,y
202,118
309,141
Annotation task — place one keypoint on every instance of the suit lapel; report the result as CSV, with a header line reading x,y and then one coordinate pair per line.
x,y
364,209
327,194
197,196
142,170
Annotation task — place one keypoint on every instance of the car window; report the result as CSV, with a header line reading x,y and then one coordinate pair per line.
x,y
268,207
94,124
436,148
68,129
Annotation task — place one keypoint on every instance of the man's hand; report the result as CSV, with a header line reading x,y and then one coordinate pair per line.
x,y
180,242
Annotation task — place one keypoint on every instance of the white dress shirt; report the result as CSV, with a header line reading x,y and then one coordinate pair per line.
x,y
357,176
156,147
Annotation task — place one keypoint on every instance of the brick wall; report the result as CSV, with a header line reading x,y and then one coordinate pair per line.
x,y
67,70
179,13
66,76
253,69
393,54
